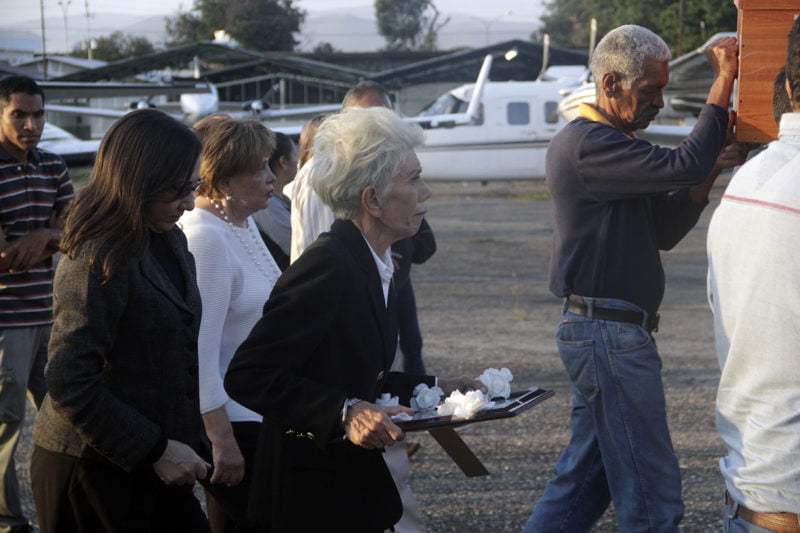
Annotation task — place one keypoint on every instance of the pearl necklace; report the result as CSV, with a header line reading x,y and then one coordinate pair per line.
x,y
274,273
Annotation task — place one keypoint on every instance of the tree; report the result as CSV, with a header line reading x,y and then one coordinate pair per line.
x,y
405,26
324,48
257,24
567,21
118,46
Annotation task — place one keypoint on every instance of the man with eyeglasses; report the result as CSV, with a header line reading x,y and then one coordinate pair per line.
x,y
35,194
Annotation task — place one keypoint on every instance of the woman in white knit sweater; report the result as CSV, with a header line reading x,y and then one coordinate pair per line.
x,y
235,274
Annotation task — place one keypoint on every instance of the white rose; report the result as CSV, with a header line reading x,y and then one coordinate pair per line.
x,y
387,400
497,382
426,398
464,405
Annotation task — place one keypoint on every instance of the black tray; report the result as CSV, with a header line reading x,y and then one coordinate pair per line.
x,y
517,402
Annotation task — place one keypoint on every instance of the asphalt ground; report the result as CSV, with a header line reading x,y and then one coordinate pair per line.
x,y
483,302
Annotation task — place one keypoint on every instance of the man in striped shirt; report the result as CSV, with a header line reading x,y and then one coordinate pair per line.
x,y
35,194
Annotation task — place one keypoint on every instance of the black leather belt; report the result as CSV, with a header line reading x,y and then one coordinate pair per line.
x,y
578,306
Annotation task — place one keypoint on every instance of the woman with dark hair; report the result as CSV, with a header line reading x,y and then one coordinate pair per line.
x,y
274,223
235,274
118,437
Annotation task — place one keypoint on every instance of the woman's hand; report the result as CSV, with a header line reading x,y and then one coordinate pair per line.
x,y
370,426
228,463
180,465
227,457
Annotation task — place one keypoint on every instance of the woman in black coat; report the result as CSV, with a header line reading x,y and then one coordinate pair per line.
x,y
118,438
317,360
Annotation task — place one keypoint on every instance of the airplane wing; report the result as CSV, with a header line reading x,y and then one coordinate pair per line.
x,y
297,111
86,111
62,90
74,151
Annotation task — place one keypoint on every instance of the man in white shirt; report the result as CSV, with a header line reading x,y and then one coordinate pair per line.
x,y
310,217
754,290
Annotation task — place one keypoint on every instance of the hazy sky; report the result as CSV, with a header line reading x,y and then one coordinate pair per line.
x,y
18,10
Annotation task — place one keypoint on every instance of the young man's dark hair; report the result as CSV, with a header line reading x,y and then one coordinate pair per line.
x,y
780,98
18,84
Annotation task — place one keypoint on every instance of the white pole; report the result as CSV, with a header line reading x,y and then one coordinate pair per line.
x,y
44,48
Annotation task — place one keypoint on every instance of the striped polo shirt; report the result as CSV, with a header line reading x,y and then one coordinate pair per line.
x,y
29,192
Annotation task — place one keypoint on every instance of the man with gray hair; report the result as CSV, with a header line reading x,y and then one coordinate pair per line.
x,y
618,200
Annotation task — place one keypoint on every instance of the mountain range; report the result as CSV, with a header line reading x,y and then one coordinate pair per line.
x,y
347,30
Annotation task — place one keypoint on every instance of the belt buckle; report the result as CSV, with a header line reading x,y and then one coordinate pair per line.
x,y
653,322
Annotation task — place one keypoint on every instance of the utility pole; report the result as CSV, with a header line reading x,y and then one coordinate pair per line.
x,y
64,5
88,31
681,5
44,48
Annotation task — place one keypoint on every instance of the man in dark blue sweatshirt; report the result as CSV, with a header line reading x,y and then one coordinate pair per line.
x,y
618,201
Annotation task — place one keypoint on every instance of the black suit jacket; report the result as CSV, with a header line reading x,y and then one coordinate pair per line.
x,y
122,361
326,335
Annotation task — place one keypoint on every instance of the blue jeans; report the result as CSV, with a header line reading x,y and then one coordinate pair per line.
x,y
23,354
620,447
408,329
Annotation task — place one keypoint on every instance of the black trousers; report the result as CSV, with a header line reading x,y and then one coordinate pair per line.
x,y
77,496
227,506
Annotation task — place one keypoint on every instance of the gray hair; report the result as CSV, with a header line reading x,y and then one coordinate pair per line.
x,y
356,149
626,50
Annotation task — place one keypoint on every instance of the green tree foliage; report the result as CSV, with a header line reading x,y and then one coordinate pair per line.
x,y
567,21
257,24
118,46
405,25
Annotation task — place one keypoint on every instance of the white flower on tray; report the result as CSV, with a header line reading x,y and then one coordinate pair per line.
x,y
426,398
498,382
461,405
388,400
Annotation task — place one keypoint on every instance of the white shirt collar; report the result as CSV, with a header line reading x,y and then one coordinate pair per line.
x,y
790,127
385,267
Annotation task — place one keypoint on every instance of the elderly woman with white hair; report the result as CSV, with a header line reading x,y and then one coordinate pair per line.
x,y
318,359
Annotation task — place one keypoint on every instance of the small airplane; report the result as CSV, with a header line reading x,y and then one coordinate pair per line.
x,y
504,127
73,151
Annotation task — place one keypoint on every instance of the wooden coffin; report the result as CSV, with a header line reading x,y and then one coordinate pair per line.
x,y
763,28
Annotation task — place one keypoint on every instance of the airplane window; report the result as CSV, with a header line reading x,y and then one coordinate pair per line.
x,y
518,113
445,105
551,112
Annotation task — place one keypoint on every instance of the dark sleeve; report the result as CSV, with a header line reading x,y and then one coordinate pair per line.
x,y
402,385
424,243
613,166
674,215
280,257
88,315
267,371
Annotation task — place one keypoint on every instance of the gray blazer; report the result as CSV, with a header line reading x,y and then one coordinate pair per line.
x,y
122,361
